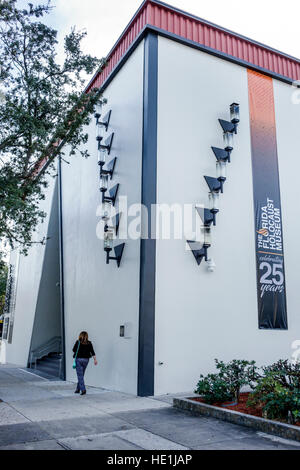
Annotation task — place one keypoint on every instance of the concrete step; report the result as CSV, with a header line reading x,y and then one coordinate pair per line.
x,y
49,361
51,369
49,365
55,355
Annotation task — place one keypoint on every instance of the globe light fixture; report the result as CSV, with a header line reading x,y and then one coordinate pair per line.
x,y
221,173
108,241
98,111
103,183
108,246
214,200
207,239
235,115
211,265
102,153
100,132
115,223
228,130
105,211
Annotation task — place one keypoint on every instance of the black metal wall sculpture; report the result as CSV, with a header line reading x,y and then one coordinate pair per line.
x,y
216,186
107,169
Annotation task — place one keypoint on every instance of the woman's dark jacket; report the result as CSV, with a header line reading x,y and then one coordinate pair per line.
x,y
85,350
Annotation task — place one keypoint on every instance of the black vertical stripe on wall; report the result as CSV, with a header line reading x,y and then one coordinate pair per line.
x,y
61,270
148,245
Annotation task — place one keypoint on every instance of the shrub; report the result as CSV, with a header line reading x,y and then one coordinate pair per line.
x,y
285,373
265,386
213,389
237,374
278,393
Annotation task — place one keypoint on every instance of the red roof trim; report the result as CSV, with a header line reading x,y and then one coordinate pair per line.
x,y
169,19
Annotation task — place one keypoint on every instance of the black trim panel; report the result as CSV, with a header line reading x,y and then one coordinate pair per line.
x,y
61,270
148,246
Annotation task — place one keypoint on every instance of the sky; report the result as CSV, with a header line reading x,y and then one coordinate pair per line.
x,y
272,22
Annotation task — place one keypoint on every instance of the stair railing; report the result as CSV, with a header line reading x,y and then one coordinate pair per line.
x,y
52,345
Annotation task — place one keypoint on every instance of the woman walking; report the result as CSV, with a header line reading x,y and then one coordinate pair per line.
x,y
83,350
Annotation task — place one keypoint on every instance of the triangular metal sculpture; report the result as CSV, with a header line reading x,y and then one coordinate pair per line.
x,y
213,184
112,195
105,120
107,143
113,192
116,222
227,126
205,215
119,253
221,154
198,250
110,167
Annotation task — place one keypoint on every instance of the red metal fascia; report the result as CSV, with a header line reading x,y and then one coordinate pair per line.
x,y
186,26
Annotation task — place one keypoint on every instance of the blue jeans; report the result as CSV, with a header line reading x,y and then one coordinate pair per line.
x,y
81,365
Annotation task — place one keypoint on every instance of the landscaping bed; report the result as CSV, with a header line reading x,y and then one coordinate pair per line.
x,y
273,405
276,428
242,407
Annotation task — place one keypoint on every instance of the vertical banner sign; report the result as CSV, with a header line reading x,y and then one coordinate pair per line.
x,y
271,293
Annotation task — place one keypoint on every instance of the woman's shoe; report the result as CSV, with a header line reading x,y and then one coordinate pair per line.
x,y
83,392
77,391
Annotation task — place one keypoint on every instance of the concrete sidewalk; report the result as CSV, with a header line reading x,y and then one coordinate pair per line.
x,y
36,413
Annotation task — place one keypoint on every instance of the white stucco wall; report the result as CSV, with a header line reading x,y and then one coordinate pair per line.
x,y
99,297
288,145
28,276
200,315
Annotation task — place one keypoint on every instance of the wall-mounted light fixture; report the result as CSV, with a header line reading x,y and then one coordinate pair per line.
x,y
108,246
235,115
110,167
215,184
199,249
228,130
115,223
112,192
106,211
207,239
104,121
100,133
214,199
211,265
221,173
106,217
206,215
221,154
105,144
102,154
103,183
98,111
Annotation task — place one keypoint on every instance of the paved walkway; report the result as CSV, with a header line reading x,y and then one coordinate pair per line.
x,y
39,414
